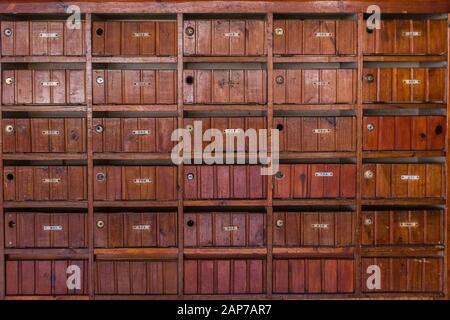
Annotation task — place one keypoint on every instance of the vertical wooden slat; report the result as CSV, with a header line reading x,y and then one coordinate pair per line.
x,y
359,131
2,219
180,167
90,158
446,275
269,208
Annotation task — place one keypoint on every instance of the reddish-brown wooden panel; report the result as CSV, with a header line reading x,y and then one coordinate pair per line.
x,y
44,135
224,229
223,37
404,36
404,85
135,183
22,87
219,86
310,134
133,134
41,183
240,132
329,37
404,133
41,38
136,277
296,181
403,181
403,227
299,229
134,38
404,274
230,276
313,276
224,182
45,230
134,230
314,86
146,86
45,277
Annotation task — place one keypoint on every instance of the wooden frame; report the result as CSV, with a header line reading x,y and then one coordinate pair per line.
x,y
269,11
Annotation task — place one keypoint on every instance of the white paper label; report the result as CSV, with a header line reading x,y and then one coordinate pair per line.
x,y
141,34
323,34
49,83
50,132
51,180
324,174
409,177
411,81
141,227
48,35
230,228
232,34
322,131
141,132
53,228
142,181
320,225
142,84
232,131
412,33
408,224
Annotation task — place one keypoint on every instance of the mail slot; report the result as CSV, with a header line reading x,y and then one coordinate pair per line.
x,y
24,135
134,38
403,227
224,37
47,277
404,133
218,86
45,230
42,38
299,229
298,181
133,134
402,274
135,183
406,36
135,229
314,86
224,229
407,85
313,276
43,87
311,134
231,276
134,86
224,182
45,183
136,277
314,37
403,180
240,133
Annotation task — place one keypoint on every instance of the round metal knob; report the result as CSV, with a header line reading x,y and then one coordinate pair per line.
x,y
279,79
99,128
190,127
99,80
279,175
369,78
99,32
368,174
279,31
12,224
100,224
189,31
189,80
370,127
190,176
100,176
190,223
280,223
7,32
9,128
10,177
368,221
9,81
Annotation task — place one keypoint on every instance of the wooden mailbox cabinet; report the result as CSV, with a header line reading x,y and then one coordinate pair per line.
x,y
92,112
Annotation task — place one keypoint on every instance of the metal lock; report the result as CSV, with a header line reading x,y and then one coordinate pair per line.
x,y
7,32
100,176
280,223
279,79
99,80
369,78
100,224
10,177
9,128
9,81
189,80
370,127
99,128
190,176
279,175
279,31
190,223
190,127
12,224
368,174
368,221
189,31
